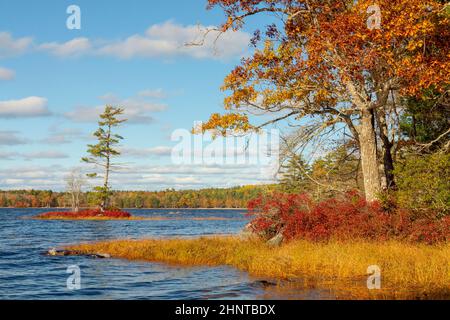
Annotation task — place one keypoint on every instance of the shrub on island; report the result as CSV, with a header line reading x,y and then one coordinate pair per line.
x,y
86,214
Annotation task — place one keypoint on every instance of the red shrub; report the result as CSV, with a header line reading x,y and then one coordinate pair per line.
x,y
430,231
85,214
343,218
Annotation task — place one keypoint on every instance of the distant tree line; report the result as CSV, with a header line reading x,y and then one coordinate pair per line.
x,y
236,197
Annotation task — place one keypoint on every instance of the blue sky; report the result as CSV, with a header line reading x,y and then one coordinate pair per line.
x,y
54,81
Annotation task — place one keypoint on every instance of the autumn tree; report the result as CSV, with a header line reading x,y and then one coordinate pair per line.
x,y
337,64
102,153
3,201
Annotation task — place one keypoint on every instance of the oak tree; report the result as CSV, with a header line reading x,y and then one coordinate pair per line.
x,y
319,60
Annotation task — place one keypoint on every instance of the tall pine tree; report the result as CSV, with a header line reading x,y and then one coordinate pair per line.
x,y
294,175
102,153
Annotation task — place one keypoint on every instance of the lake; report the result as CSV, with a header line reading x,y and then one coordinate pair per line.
x,y
26,273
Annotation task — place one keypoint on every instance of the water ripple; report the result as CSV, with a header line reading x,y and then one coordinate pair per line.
x,y
25,273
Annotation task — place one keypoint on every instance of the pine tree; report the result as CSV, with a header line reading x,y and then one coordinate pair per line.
x,y
102,153
294,174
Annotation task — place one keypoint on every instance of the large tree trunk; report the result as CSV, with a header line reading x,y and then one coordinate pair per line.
x,y
388,161
369,161
104,205
77,201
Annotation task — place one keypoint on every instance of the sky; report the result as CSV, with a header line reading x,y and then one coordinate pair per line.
x,y
54,82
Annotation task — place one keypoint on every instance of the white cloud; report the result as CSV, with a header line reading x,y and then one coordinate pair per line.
x,y
28,177
169,39
138,109
62,136
72,48
48,154
11,47
11,138
146,152
85,114
153,93
7,74
28,156
165,40
26,107
148,177
6,155
187,180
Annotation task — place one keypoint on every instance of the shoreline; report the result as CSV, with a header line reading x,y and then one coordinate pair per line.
x,y
339,266
137,219
66,208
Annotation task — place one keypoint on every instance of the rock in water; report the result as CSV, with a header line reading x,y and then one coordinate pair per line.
x,y
247,232
60,253
54,252
101,256
276,241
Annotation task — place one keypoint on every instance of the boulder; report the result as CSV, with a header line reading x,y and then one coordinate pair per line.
x,y
100,256
247,232
61,253
55,252
276,241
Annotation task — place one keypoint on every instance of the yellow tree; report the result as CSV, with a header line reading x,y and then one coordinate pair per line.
x,y
345,62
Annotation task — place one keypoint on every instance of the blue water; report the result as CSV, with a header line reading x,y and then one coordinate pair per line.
x,y
25,273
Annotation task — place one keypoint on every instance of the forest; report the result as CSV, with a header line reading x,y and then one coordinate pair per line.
x,y
207,198
422,185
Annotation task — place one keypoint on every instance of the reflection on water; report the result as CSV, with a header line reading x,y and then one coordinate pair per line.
x,y
27,274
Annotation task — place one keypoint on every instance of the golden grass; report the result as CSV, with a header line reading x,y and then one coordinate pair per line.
x,y
408,271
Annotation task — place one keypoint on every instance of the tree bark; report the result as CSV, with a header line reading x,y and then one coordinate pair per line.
x,y
388,161
73,201
77,201
105,201
369,161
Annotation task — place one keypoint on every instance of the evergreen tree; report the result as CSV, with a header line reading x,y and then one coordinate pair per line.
x,y
294,174
102,153
426,120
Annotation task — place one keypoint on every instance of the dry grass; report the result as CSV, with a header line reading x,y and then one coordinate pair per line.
x,y
408,271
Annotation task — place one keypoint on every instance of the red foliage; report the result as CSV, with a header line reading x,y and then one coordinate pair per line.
x,y
85,214
430,231
348,217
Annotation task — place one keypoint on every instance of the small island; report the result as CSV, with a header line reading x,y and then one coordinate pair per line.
x,y
100,156
92,214
98,215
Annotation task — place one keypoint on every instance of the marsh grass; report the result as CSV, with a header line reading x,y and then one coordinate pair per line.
x,y
408,271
